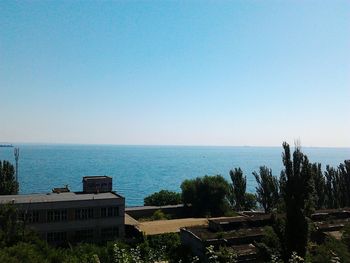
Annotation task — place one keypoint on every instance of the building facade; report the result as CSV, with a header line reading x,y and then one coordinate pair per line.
x,y
71,216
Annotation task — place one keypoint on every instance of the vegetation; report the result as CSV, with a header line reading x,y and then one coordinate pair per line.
x,y
238,188
163,197
207,195
267,189
297,177
8,184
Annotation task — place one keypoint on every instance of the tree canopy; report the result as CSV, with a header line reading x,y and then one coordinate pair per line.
x,y
207,195
8,184
267,189
163,197
238,189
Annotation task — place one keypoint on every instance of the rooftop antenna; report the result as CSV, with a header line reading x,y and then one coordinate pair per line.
x,y
16,152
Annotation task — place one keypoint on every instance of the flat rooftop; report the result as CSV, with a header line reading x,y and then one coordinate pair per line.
x,y
204,233
95,177
54,197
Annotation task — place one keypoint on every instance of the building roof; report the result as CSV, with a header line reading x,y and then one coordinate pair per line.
x,y
96,177
56,197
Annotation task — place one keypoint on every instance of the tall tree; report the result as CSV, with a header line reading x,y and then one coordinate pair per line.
x,y
320,185
267,189
332,187
238,189
297,174
344,174
8,184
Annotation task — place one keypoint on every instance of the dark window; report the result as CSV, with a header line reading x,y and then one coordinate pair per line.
x,y
84,213
103,212
109,211
33,217
56,215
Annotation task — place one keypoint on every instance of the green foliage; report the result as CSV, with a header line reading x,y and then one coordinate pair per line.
x,y
331,250
249,201
159,215
207,195
238,189
346,235
267,189
11,228
163,197
320,185
271,248
222,255
338,185
297,183
8,184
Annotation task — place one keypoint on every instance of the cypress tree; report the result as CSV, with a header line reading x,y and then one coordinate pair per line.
x,y
297,183
320,185
239,184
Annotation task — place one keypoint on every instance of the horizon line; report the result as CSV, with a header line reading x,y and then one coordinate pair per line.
x,y
169,145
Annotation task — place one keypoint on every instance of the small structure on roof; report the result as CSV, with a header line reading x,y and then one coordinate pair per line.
x,y
97,184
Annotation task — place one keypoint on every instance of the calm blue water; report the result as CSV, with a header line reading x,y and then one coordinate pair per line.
x,y
141,170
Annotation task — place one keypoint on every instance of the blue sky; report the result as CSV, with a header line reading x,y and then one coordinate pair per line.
x,y
175,72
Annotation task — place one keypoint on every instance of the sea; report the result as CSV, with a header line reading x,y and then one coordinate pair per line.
x,y
138,171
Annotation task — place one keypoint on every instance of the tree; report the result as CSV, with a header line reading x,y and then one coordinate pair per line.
x,y
297,178
8,184
207,195
344,180
163,197
249,201
320,185
332,187
238,189
267,189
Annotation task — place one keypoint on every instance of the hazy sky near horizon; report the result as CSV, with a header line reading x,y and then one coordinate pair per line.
x,y
175,72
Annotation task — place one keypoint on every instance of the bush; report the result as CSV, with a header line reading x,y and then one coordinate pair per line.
x,y
163,197
329,251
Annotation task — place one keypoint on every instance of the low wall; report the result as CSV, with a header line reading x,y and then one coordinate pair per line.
x,y
137,212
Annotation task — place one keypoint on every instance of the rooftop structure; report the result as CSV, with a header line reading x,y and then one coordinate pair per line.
x,y
97,184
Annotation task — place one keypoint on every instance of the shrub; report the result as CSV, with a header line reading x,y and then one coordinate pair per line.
x,y
163,197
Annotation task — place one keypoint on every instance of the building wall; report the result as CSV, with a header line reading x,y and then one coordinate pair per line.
x,y
190,240
97,184
88,220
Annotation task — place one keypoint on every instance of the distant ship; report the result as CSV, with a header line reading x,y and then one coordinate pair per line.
x,y
6,145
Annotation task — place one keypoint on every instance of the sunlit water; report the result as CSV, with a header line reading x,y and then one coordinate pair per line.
x,y
141,170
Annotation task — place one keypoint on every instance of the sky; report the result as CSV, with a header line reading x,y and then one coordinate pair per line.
x,y
227,73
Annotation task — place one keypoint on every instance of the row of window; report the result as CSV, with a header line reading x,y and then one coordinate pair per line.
x,y
30,217
56,215
84,235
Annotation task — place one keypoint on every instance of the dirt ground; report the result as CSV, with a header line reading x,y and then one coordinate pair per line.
x,y
169,226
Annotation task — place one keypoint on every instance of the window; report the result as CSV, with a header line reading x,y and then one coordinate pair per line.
x,y
56,236
109,233
33,217
84,213
109,211
56,215
85,234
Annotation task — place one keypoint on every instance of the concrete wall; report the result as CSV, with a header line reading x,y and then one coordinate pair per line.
x,y
178,211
